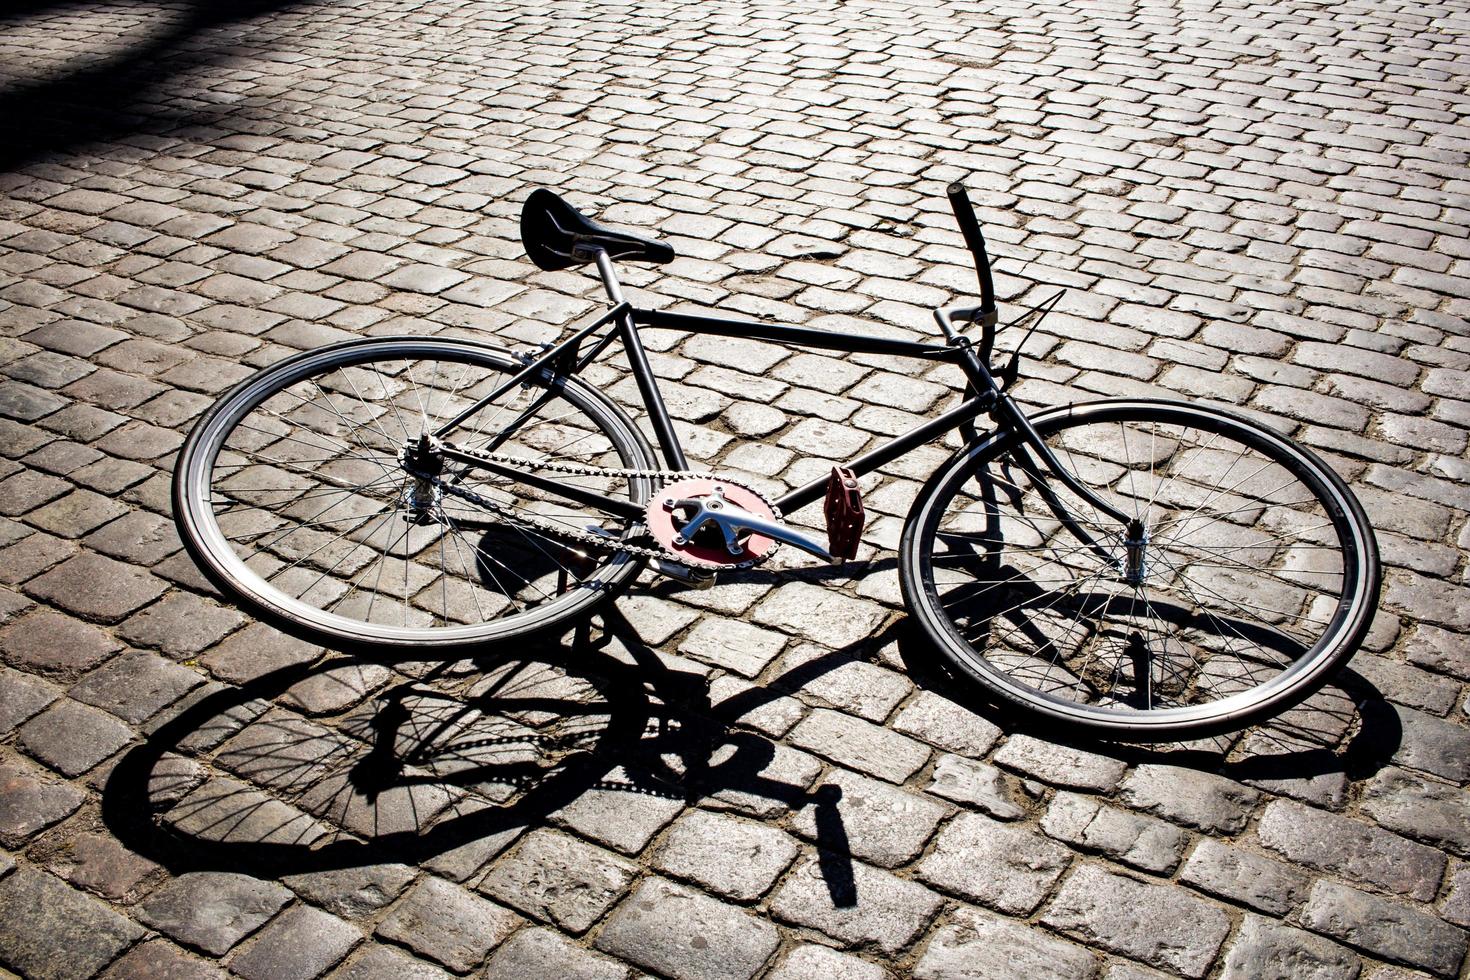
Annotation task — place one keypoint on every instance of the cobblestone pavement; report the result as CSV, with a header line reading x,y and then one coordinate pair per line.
x,y
1263,204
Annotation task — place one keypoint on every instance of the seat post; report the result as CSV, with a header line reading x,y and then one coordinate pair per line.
x,y
653,401
609,277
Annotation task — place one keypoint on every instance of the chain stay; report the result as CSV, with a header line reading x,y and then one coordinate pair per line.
x,y
553,529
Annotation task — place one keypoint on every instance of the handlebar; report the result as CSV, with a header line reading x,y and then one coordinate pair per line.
x,y
964,213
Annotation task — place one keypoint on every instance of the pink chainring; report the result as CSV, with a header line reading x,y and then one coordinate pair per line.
x,y
665,525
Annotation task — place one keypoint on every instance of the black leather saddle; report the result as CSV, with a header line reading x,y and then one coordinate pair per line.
x,y
557,235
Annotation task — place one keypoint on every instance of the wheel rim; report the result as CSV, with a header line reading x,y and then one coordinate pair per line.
x,y
1230,561
294,482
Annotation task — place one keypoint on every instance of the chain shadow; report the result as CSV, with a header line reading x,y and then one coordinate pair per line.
x,y
102,98
463,752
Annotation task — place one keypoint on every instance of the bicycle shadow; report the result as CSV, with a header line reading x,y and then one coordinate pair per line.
x,y
448,765
1344,733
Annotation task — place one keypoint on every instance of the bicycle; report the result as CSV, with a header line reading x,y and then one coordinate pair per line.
x,y
1145,569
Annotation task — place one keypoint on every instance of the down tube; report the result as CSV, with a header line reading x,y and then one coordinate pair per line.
x,y
891,450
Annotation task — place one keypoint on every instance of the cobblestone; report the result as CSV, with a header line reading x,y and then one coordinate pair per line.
x,y
1019,866
725,855
48,930
1389,929
1239,216
978,944
560,879
1333,843
448,924
1153,923
212,910
686,935
886,911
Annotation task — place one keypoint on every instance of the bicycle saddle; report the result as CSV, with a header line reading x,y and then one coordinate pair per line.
x,y
557,235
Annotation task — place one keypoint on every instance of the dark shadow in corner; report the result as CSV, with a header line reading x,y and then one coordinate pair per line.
x,y
644,715
103,98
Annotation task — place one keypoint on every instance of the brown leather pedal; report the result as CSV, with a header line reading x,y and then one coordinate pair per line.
x,y
845,514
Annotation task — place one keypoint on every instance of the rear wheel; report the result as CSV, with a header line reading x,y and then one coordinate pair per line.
x,y
293,494
1247,573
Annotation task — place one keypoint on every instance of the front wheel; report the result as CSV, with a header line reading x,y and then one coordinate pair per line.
x,y
1247,573
297,493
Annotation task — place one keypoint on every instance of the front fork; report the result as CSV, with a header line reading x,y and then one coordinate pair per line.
x,y
1005,413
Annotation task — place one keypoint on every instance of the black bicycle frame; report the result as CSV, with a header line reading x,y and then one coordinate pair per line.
x,y
566,358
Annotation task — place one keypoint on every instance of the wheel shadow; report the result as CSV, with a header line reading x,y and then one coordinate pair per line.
x,y
102,97
451,761
1344,733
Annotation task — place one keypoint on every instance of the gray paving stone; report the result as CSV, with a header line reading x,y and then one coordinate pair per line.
x,y
97,588
96,861
736,858
21,697
160,959
180,624
51,643
136,686
1060,765
939,721
813,962
1004,866
1344,846
49,930
212,910
733,645
299,944
1384,928
448,924
541,952
875,907
1433,745
1456,907
31,800
1195,799
353,892
1231,872
687,935
623,819
1263,948
882,824
975,943
72,738
1428,811
850,685
976,784
860,745
1161,925
377,962
820,615
1090,825
560,879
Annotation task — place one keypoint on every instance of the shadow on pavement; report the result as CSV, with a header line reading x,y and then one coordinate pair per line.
x,y
468,753
105,97
464,754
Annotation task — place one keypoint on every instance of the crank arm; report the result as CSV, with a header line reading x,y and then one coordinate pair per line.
x,y
732,520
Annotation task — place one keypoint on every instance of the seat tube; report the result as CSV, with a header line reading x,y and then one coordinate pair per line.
x,y
653,400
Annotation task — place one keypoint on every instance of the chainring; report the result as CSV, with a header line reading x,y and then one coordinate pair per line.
x,y
707,550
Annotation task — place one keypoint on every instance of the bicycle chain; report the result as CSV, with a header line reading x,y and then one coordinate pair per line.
x,y
553,529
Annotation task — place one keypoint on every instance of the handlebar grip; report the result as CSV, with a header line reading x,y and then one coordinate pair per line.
x,y
964,213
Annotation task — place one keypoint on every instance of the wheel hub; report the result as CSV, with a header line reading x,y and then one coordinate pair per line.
x,y
424,463
673,512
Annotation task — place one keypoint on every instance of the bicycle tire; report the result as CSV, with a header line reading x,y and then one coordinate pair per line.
x,y
1261,609
326,427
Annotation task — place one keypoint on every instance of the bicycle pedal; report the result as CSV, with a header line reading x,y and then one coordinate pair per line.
x,y
845,514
